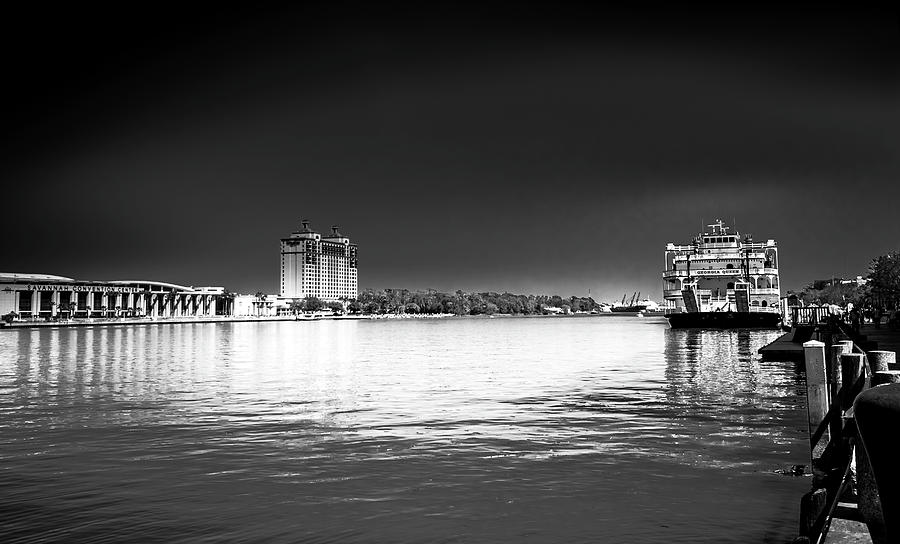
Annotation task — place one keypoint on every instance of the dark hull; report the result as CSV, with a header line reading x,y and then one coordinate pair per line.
x,y
629,309
724,320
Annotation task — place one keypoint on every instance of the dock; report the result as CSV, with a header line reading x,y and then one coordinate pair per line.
x,y
788,346
847,374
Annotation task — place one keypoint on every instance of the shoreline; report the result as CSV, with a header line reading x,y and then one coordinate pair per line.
x,y
128,321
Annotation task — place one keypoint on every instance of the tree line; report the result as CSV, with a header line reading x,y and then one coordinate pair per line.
x,y
431,301
880,291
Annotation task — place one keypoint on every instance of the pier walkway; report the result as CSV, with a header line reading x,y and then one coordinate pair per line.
x,y
887,339
844,370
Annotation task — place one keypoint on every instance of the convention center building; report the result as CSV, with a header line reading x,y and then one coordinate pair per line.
x,y
43,296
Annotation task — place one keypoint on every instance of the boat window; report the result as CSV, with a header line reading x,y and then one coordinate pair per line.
x,y
764,303
730,285
729,266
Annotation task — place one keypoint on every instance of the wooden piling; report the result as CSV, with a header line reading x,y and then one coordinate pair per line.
x,y
836,425
846,343
881,361
812,506
834,366
885,377
816,397
852,378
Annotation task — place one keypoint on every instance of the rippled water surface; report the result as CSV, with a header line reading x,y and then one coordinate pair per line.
x,y
594,429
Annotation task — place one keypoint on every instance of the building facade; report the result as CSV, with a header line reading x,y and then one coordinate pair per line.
x,y
313,265
44,296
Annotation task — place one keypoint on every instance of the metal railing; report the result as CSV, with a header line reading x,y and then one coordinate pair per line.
x,y
809,315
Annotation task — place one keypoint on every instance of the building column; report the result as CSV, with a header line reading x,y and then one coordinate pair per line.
x,y
35,303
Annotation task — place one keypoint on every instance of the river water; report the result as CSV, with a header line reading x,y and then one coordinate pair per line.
x,y
560,429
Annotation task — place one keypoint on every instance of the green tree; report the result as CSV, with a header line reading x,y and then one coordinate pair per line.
x,y
312,304
884,280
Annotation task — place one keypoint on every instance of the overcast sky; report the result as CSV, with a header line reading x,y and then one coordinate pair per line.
x,y
522,149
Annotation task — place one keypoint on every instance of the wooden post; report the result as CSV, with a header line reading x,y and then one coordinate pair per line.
x,y
834,382
834,366
882,360
812,505
816,397
885,377
851,377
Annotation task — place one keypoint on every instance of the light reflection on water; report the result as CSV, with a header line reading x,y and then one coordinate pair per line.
x,y
607,429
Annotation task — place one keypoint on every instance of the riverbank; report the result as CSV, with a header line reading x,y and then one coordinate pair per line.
x,y
123,321
127,321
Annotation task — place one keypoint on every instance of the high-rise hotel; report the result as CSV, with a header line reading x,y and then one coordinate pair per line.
x,y
317,265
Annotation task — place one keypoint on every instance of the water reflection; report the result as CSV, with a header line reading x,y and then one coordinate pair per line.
x,y
470,430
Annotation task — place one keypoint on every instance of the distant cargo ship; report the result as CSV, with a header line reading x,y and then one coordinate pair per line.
x,y
631,306
722,281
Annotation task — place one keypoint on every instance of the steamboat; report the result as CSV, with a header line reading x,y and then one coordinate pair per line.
x,y
721,280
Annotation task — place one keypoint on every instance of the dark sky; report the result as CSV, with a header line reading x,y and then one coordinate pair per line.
x,y
522,148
